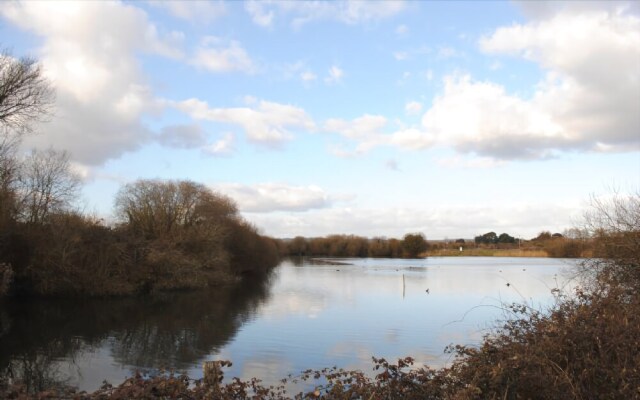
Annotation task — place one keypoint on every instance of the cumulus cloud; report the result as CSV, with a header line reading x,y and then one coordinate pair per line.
x,y
494,124
266,122
218,55
269,197
581,103
593,104
90,60
300,13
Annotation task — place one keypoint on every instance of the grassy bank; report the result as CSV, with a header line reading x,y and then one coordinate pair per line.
x,y
486,252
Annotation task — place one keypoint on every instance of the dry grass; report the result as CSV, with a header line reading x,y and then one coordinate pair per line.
x,y
482,252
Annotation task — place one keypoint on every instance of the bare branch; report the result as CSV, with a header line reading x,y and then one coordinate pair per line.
x,y
25,95
47,185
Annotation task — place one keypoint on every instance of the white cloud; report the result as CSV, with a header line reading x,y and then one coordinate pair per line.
x,y
264,12
270,197
593,103
524,220
362,128
88,53
413,107
266,122
581,104
480,117
335,75
217,55
409,139
368,131
193,10
222,147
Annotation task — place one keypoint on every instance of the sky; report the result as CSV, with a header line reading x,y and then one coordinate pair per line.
x,y
370,118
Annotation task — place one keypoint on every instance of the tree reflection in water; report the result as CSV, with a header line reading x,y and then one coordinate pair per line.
x,y
164,331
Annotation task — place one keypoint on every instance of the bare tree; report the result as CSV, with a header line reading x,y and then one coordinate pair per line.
x,y
47,184
9,166
25,95
155,208
614,224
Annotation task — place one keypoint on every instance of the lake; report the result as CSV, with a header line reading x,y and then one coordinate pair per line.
x,y
304,316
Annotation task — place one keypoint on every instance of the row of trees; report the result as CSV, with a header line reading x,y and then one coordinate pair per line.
x,y
411,246
493,238
171,234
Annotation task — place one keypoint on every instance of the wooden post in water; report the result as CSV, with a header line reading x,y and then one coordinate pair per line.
x,y
403,286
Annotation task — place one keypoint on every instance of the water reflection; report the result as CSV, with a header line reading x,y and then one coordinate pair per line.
x,y
306,316
173,331
324,315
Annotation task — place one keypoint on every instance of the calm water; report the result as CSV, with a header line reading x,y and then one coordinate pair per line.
x,y
305,316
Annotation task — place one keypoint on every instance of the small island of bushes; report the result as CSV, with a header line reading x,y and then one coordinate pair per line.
x,y
172,235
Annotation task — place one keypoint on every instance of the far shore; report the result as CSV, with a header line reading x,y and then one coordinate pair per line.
x,y
483,252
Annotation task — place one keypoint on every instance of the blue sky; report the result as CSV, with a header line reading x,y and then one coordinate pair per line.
x,y
371,118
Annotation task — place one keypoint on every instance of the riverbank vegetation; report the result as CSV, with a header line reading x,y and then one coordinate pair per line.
x,y
582,348
172,235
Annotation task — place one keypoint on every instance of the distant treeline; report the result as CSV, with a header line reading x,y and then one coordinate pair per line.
x,y
411,246
572,244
